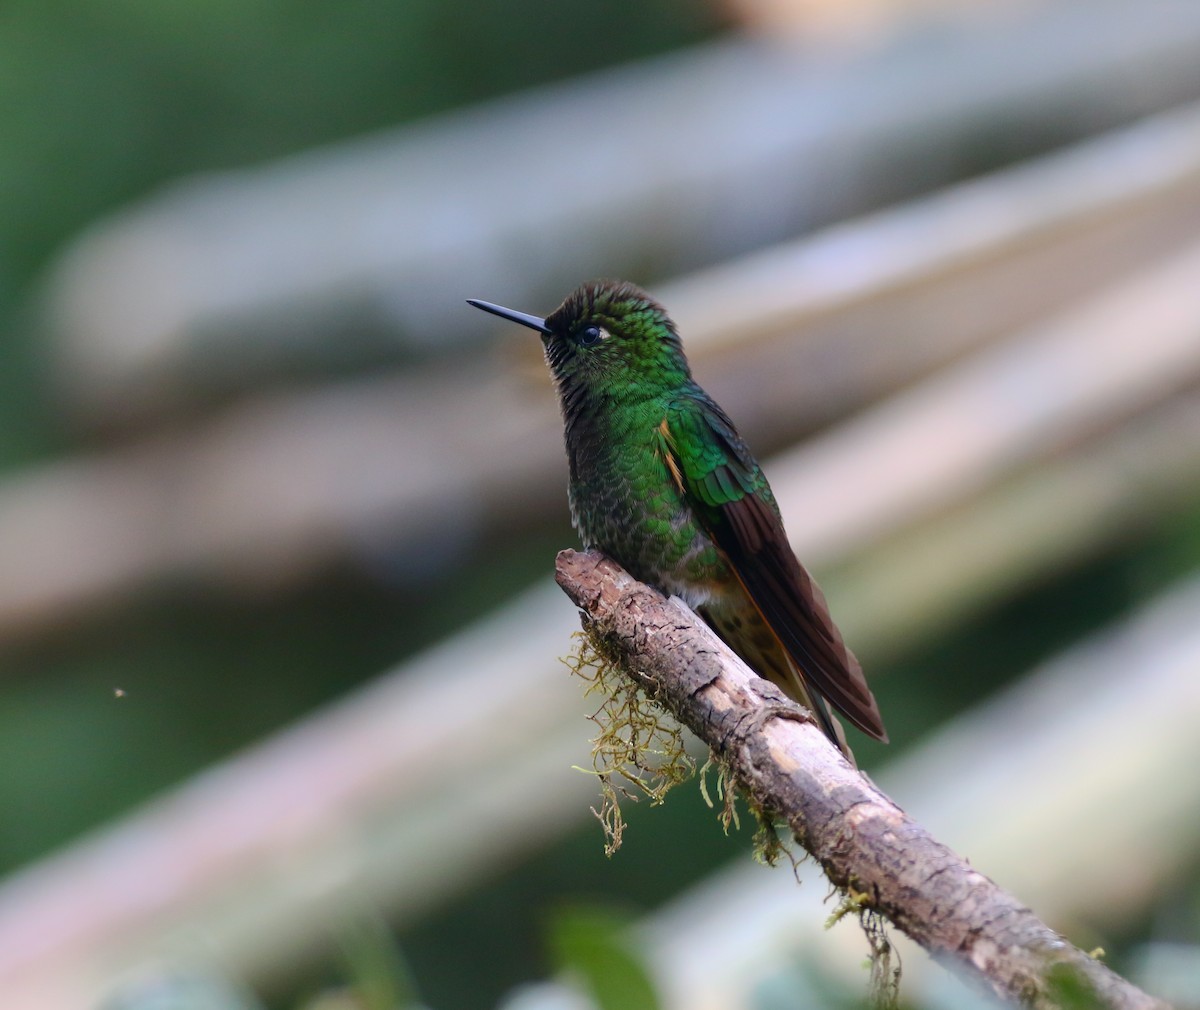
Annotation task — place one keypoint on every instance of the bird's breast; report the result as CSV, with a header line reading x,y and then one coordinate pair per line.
x,y
626,503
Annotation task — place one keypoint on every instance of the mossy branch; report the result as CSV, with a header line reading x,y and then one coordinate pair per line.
x,y
865,843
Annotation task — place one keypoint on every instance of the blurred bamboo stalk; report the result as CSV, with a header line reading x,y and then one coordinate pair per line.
x,y
1028,526
788,339
841,18
217,280
1023,399
377,799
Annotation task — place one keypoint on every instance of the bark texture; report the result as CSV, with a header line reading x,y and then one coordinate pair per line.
x,y
861,838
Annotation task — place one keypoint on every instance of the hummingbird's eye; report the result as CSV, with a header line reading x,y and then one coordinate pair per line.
x,y
590,335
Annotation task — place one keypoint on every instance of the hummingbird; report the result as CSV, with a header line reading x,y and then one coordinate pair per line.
x,y
662,483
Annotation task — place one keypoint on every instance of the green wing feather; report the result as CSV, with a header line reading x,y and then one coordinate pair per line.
x,y
731,498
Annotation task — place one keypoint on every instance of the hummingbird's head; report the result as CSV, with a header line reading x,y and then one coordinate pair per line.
x,y
607,335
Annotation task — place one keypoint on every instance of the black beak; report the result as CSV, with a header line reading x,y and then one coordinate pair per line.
x,y
533,322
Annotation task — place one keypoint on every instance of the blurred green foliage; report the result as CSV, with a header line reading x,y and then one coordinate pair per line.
x,y
593,945
100,103
376,972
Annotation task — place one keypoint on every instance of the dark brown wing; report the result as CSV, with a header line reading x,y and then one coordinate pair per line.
x,y
752,538
732,500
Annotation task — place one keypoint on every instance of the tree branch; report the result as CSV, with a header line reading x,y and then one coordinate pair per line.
x,y
863,840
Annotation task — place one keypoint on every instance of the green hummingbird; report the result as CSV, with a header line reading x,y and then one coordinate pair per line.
x,y
661,482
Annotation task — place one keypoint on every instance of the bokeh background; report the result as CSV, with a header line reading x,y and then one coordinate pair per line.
x,y
282,721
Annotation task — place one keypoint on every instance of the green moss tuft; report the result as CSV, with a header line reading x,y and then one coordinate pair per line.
x,y
883,962
638,750
726,791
